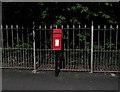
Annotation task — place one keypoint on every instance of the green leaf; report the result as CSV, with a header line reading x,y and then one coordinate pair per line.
x,y
95,14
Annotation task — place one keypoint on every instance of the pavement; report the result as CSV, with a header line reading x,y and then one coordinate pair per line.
x,y
45,80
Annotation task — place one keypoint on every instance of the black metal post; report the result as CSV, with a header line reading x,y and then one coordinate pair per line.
x,y
56,63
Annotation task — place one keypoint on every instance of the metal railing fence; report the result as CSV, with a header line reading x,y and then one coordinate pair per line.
x,y
85,48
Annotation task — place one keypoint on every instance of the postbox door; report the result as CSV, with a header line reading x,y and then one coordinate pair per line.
x,y
56,43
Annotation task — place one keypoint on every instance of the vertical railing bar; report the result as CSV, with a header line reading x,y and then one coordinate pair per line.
x,y
17,45
73,46
40,62
99,45
76,60
84,59
5,59
30,50
30,40
92,30
110,46
105,58
95,60
75,64
112,59
88,59
31,56
116,36
38,50
23,57
107,55
5,46
108,59
87,56
7,51
79,46
56,26
68,52
20,51
54,58
100,57
62,56
110,35
25,50
82,53
116,60
1,46
7,35
104,35
12,35
104,44
38,58
51,47
80,59
34,71
31,46
85,36
44,47
85,66
10,54
46,62
117,53
98,37
28,64
11,50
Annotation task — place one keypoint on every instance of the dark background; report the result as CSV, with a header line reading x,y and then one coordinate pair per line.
x,y
24,13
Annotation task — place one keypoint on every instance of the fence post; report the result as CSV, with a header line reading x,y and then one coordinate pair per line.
x,y
34,71
92,30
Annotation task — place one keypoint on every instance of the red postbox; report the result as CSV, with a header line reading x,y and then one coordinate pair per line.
x,y
57,39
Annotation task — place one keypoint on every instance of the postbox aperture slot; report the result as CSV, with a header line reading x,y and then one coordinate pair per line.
x,y
57,33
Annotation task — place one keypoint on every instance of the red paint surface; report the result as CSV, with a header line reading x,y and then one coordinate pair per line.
x,y
57,34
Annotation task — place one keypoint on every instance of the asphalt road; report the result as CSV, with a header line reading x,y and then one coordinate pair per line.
x,y
45,80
